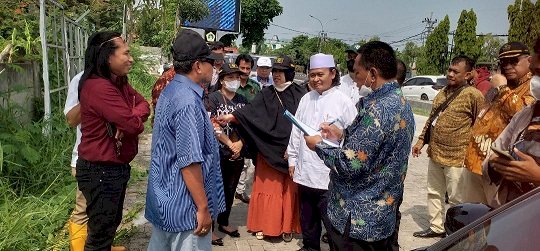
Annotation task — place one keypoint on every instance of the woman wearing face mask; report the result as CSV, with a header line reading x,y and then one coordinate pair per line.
x,y
273,208
521,138
222,102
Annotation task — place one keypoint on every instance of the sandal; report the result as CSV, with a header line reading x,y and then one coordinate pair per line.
x,y
259,235
218,242
234,233
287,237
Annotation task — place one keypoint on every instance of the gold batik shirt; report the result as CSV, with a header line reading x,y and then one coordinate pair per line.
x,y
492,120
452,131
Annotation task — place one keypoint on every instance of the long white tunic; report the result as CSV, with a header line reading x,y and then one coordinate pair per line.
x,y
350,89
313,110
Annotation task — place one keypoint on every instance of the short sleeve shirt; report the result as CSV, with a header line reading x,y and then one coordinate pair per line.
x,y
182,135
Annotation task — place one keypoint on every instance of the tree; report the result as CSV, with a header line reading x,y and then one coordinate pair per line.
x,y
465,41
433,60
157,25
409,54
255,18
490,48
524,22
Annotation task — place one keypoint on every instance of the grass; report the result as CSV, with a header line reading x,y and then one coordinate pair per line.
x,y
419,111
37,191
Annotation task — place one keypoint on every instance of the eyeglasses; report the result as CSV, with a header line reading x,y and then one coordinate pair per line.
x,y
511,61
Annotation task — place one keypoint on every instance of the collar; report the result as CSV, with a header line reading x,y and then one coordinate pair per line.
x,y
325,93
387,87
525,78
182,79
283,87
249,82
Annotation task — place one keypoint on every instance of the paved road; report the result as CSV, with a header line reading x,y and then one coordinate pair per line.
x,y
414,214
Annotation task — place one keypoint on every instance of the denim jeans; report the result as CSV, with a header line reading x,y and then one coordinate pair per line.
x,y
183,241
104,187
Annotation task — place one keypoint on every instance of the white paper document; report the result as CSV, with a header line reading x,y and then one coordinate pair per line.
x,y
307,130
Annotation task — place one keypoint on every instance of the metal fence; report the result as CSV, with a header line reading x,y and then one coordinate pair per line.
x,y
63,42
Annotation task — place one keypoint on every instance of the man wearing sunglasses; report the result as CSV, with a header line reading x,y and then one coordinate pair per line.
x,y
520,172
185,187
504,101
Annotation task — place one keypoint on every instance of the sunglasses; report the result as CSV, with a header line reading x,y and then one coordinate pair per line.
x,y
511,61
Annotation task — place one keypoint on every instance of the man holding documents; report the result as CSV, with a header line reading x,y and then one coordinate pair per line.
x,y
368,170
322,104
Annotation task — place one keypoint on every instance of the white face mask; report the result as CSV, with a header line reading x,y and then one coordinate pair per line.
x,y
232,86
535,87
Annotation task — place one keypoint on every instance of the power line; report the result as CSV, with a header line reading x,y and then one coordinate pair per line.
x,y
283,27
407,38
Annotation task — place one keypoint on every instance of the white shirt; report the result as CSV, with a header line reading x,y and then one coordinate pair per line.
x,y
349,88
71,101
313,110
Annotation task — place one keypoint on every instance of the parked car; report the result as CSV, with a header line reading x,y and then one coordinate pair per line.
x,y
423,87
513,226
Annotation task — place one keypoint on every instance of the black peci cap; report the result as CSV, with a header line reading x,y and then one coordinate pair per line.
x,y
189,45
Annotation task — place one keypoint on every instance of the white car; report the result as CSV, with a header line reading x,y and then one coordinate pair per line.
x,y
423,87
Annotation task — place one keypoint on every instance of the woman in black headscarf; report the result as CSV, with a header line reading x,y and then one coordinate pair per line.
x,y
273,208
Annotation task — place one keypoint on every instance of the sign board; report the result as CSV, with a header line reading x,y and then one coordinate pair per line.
x,y
224,16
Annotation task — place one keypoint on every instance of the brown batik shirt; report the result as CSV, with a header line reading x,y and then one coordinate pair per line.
x,y
452,131
492,120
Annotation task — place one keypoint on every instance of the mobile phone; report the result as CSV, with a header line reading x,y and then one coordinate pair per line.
x,y
501,153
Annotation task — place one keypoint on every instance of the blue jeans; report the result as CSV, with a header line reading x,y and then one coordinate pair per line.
x,y
183,241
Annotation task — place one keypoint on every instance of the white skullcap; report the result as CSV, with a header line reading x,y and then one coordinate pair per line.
x,y
264,61
321,60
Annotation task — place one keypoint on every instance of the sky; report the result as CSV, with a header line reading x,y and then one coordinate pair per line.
x,y
391,20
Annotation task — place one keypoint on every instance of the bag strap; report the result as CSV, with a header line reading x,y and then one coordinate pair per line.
x,y
447,102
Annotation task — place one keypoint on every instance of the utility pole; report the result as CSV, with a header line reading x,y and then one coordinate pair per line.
x,y
430,22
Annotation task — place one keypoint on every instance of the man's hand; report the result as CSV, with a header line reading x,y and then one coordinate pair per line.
x,y
291,171
311,141
524,170
225,119
331,132
204,222
498,80
417,148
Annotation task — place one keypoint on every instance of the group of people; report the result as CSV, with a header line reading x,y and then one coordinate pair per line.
x,y
203,133
478,115
212,124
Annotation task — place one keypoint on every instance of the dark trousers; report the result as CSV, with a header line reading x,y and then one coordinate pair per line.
x,y
313,207
104,187
394,236
231,170
343,242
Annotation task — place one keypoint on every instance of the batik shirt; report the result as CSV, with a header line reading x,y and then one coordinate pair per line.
x,y
370,167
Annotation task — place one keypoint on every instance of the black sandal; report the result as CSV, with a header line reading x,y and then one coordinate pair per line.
x,y
218,242
233,234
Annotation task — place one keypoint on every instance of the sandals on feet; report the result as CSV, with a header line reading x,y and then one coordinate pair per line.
x,y
287,237
259,235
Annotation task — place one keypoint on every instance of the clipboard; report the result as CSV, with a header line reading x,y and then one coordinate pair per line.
x,y
307,130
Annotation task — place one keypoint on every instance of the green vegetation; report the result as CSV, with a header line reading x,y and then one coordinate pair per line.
x,y
465,39
433,60
524,17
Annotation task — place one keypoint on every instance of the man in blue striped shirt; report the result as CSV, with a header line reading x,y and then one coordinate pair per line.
x,y
185,187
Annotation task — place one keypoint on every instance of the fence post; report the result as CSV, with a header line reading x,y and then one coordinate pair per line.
x,y
45,58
